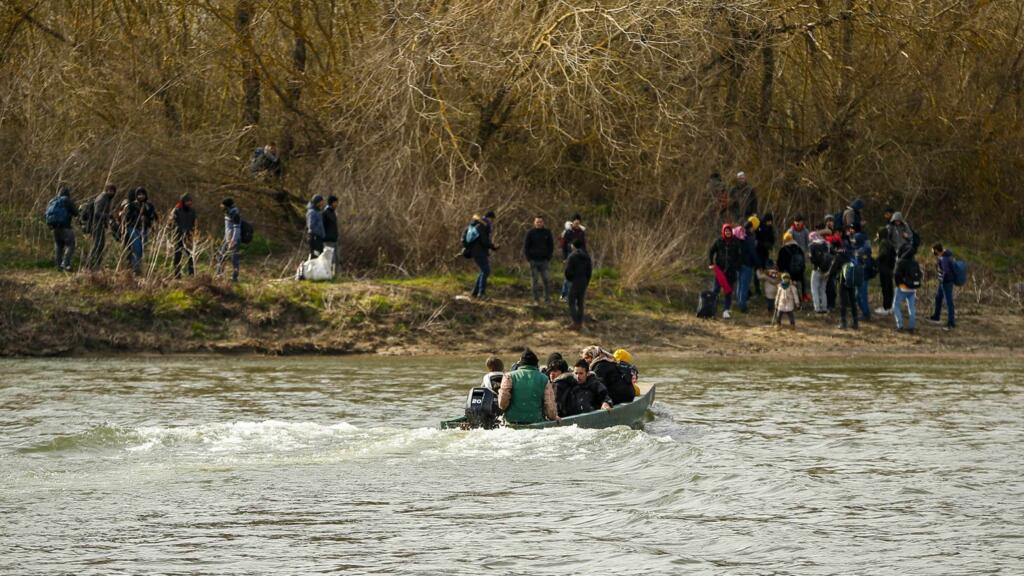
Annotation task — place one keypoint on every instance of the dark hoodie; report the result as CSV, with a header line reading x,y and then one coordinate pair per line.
x,y
574,398
138,214
725,252
765,239
184,218
330,218
945,267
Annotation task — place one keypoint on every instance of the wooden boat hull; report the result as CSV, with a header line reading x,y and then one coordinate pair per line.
x,y
631,414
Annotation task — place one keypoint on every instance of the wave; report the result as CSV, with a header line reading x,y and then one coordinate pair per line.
x,y
343,439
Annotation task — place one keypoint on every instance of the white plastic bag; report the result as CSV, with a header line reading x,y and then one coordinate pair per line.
x,y
319,268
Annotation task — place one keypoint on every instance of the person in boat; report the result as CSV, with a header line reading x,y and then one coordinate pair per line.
x,y
579,391
603,364
495,373
552,359
625,360
526,396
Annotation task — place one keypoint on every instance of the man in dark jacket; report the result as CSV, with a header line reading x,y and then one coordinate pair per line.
x,y
765,236
138,217
582,393
184,217
886,261
848,275
748,249
944,264
63,234
539,247
480,251
315,225
572,231
102,214
330,218
726,254
742,199
578,270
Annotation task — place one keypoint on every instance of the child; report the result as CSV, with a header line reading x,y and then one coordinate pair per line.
x,y
769,278
495,372
786,301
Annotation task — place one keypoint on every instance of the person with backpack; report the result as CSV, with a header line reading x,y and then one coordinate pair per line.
x,y
137,218
572,231
315,225
867,264
60,213
578,270
184,218
793,261
231,246
725,255
330,219
617,381
100,216
748,251
849,274
886,262
907,275
852,215
946,267
539,248
478,246
821,263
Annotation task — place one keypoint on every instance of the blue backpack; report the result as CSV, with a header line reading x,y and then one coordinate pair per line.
x,y
57,213
472,234
959,272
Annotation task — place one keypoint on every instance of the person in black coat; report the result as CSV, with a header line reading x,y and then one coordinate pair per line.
x,y
578,270
726,254
184,217
539,248
330,218
580,392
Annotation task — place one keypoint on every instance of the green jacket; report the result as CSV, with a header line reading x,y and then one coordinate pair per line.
x,y
527,403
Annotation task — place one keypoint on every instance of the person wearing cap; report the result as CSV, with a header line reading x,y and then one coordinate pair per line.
x,y
480,252
330,219
184,218
793,261
742,199
315,226
526,396
232,243
886,261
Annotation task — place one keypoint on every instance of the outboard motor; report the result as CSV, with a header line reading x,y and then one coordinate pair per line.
x,y
482,409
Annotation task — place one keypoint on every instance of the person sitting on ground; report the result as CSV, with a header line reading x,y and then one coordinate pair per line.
x,y
582,393
908,279
525,395
495,373
786,302
625,360
769,277
315,225
603,364
266,159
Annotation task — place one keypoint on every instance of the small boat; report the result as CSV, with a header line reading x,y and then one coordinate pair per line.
x,y
631,414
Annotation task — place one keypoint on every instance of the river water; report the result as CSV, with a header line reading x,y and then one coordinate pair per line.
x,y
306,465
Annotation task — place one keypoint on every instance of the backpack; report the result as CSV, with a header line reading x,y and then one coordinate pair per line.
x,y
959,272
57,213
85,215
471,235
797,264
853,274
821,257
706,305
247,231
914,276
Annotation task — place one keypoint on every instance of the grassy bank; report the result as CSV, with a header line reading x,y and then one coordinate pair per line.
x,y
46,313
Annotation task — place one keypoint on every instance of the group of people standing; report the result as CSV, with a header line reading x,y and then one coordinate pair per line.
x,y
528,393
132,223
835,258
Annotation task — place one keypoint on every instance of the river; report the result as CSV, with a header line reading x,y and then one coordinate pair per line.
x,y
233,465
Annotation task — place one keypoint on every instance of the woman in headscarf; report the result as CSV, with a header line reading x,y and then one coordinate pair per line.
x,y
604,366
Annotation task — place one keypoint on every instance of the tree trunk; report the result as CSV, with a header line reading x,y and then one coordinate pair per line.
x,y
297,79
250,72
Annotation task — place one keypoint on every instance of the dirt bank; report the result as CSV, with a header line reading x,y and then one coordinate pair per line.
x,y
47,314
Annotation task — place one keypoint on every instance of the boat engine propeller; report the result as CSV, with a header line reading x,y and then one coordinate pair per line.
x,y
482,409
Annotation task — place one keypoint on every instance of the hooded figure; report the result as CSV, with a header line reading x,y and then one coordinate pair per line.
x,y
618,382
315,226
901,235
852,215
725,252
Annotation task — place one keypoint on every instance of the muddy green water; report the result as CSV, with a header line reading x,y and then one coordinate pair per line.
x,y
299,466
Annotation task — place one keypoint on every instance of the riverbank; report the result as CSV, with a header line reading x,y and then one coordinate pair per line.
x,y
47,314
